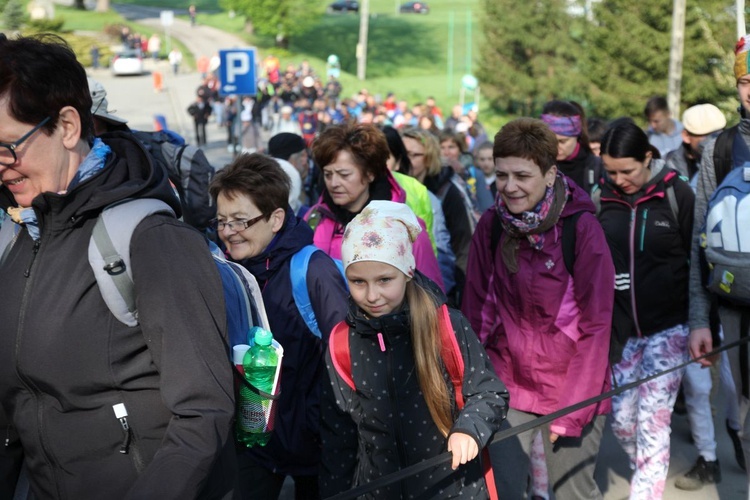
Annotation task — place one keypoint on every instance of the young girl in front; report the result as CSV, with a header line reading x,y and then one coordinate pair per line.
x,y
391,402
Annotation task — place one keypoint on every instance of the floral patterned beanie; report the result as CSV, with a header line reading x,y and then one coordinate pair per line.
x,y
383,232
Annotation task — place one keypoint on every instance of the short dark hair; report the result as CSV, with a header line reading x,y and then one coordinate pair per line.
x,y
365,142
596,127
656,103
527,138
457,138
625,139
40,75
256,176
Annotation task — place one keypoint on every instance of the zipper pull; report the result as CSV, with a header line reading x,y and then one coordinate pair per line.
x,y
381,342
35,251
121,413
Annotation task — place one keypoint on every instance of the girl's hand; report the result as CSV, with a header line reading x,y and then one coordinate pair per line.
x,y
463,447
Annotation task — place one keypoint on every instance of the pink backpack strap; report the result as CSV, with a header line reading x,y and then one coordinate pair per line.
x,y
338,344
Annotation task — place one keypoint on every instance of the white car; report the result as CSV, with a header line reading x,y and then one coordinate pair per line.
x,y
127,62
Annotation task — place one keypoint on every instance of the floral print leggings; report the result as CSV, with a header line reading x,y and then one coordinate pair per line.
x,y
641,416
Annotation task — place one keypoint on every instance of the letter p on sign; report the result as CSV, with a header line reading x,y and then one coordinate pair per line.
x,y
237,72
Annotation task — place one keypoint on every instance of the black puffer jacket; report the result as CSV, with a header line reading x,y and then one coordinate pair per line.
x,y
65,360
386,425
294,447
651,252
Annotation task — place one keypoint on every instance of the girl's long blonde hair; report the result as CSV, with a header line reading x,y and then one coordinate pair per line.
x,y
427,342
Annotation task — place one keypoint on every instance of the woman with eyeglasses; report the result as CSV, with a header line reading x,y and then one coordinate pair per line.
x,y
261,232
94,407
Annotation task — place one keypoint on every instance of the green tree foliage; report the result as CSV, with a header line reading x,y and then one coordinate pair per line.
x,y
535,51
13,14
627,54
278,18
529,55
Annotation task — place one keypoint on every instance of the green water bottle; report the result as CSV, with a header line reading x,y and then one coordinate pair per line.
x,y
253,410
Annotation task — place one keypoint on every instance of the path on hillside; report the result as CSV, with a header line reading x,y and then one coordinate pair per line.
x,y
199,39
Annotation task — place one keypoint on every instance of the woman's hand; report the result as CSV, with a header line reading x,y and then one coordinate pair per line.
x,y
463,447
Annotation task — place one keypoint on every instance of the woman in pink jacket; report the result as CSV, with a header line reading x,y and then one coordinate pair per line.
x,y
353,160
543,314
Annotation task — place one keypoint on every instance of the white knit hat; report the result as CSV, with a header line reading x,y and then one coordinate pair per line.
x,y
383,232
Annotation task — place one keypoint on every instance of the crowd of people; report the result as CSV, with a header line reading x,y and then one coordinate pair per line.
x,y
460,284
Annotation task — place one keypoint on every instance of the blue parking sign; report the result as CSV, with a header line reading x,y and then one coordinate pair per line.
x,y
237,72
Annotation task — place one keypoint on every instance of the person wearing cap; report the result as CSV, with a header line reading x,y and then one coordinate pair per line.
x,y
699,123
403,412
292,148
286,122
663,131
101,409
734,319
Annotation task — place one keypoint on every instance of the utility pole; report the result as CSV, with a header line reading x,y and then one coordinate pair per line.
x,y
741,31
364,22
675,56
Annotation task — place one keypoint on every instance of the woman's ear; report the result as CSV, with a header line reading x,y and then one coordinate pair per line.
x,y
69,122
277,219
549,177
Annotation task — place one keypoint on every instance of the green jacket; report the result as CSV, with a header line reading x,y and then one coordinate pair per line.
x,y
418,200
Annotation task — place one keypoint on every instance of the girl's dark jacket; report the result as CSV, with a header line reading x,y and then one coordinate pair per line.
x,y
65,360
294,447
651,251
386,425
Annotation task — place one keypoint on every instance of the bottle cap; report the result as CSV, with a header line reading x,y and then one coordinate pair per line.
x,y
262,336
238,353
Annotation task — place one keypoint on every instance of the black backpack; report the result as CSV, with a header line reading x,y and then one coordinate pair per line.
x,y
188,169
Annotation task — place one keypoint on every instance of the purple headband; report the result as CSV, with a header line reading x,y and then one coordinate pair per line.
x,y
569,126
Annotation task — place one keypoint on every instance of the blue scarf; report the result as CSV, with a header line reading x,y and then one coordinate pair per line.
x,y
93,163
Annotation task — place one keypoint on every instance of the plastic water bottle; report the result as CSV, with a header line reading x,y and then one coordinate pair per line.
x,y
260,364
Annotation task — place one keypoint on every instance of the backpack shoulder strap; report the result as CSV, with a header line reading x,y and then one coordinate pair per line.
x,y
298,273
451,354
109,253
495,233
569,241
723,153
596,197
338,344
299,266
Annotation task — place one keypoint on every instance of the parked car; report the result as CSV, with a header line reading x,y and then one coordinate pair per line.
x,y
344,6
127,62
415,8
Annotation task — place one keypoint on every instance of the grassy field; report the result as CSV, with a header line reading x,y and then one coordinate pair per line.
x,y
408,54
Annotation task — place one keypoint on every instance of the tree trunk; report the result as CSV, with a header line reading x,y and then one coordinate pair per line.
x,y
249,28
102,5
78,4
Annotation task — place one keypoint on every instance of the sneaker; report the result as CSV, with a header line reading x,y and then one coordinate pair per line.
x,y
738,454
703,472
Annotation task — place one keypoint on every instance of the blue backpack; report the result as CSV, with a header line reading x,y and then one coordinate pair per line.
x,y
725,239
298,273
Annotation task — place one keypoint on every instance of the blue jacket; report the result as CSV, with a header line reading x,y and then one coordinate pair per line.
x,y
294,448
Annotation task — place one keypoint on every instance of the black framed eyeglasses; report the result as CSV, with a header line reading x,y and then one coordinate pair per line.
x,y
8,150
235,225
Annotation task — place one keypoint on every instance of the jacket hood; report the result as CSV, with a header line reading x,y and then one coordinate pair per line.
x,y
294,235
129,172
